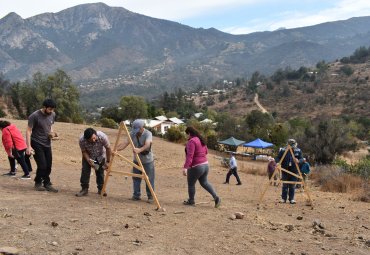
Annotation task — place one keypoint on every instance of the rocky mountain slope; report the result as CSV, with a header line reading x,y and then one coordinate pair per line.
x,y
110,51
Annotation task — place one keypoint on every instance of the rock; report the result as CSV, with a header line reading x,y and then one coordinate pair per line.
x,y
299,218
102,231
54,224
367,243
137,242
162,209
73,220
232,217
289,227
9,250
179,212
54,243
147,214
239,215
315,223
126,225
151,236
7,215
79,249
116,234
137,225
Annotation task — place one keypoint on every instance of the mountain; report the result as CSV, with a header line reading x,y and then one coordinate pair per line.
x,y
110,51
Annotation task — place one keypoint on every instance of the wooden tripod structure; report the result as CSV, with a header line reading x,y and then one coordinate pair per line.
x,y
279,169
139,166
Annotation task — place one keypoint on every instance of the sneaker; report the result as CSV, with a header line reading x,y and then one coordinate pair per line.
x,y
239,183
189,202
292,202
104,193
11,174
135,198
26,177
39,187
50,188
150,200
282,201
226,182
83,192
217,202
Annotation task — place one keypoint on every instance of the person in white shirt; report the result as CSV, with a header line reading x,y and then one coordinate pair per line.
x,y
233,170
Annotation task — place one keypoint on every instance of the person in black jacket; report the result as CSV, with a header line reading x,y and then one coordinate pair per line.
x,y
289,163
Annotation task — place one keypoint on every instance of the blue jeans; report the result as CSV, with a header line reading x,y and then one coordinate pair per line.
x,y
288,190
150,172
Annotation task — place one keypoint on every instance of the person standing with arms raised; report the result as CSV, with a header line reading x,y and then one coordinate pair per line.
x,y
38,136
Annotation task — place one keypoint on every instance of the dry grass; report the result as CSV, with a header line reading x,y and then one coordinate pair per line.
x,y
333,179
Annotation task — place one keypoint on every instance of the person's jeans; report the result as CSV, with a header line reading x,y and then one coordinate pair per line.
x,y
23,160
199,173
150,172
86,172
288,189
44,158
233,171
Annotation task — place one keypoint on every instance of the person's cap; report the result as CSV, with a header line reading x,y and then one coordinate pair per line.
x,y
137,125
292,142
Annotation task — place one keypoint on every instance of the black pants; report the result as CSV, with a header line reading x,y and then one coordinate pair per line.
x,y
86,172
23,160
44,159
233,171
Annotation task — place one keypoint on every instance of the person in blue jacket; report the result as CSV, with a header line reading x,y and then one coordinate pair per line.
x,y
289,163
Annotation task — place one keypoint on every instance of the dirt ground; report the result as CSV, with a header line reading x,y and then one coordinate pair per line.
x,y
37,222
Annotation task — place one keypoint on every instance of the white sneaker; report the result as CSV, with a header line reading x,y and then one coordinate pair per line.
x,y
292,201
282,201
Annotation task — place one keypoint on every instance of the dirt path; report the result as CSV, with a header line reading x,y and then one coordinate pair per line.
x,y
44,223
258,103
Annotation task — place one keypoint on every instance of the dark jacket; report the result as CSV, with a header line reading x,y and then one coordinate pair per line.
x,y
288,162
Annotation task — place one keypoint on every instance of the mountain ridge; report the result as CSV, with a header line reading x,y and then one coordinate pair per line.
x,y
101,47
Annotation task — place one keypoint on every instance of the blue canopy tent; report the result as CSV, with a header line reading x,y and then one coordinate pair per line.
x,y
258,143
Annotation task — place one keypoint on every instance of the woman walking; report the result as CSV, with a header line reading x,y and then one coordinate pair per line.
x,y
196,166
15,146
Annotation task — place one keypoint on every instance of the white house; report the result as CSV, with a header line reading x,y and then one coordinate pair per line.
x,y
161,124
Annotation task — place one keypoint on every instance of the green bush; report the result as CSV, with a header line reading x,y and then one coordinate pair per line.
x,y
175,134
108,123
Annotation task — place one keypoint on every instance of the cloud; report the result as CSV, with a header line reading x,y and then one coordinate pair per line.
x,y
340,10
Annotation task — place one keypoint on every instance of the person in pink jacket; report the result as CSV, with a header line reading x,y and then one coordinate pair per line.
x,y
15,146
196,166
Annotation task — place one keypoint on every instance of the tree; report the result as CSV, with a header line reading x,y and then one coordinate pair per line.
x,y
328,139
259,124
133,107
29,95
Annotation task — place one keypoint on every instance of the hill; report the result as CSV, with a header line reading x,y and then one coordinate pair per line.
x,y
110,51
47,223
332,94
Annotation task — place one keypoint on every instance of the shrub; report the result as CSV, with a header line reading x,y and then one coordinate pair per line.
x,y
335,179
175,134
108,123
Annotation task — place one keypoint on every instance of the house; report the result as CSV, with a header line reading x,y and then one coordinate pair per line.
x,y
198,114
161,124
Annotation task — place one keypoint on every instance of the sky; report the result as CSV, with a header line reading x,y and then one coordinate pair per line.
x,y
230,16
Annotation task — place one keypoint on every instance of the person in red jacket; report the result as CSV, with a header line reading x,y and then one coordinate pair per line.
x,y
15,146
